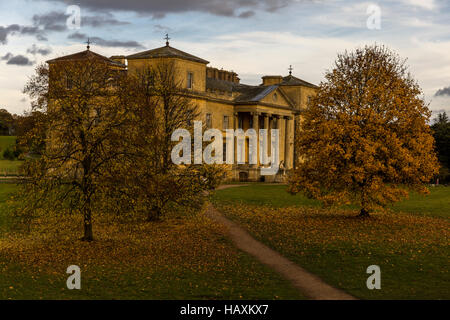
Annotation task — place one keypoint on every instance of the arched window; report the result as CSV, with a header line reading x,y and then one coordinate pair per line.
x,y
275,97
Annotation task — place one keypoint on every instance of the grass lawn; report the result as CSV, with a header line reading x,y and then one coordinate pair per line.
x,y
179,258
8,167
5,190
5,143
264,194
437,203
412,250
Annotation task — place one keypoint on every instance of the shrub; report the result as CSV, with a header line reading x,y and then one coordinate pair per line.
x,y
8,154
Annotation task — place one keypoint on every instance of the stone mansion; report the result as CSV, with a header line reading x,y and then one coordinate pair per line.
x,y
225,103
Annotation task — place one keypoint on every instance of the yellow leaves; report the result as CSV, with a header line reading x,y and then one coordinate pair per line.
x,y
312,227
176,243
365,128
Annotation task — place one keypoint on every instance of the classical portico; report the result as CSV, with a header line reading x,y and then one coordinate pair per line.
x,y
225,103
260,117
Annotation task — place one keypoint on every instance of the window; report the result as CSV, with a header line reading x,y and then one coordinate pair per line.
x,y
250,122
190,80
208,120
224,152
69,82
275,97
226,122
240,122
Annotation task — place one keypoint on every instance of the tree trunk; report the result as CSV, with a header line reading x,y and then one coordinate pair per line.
x,y
154,214
88,235
364,213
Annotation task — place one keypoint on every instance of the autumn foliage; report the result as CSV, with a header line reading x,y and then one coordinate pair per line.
x,y
364,138
107,138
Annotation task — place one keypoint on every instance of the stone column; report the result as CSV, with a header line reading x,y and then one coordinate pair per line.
x,y
255,121
256,127
235,127
266,126
266,121
282,128
274,125
288,147
291,142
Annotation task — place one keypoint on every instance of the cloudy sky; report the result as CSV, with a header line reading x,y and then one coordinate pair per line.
x,y
250,37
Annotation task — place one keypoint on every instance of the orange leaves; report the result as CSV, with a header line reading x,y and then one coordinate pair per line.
x,y
308,227
174,243
365,133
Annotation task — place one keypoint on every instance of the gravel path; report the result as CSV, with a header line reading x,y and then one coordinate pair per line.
x,y
310,285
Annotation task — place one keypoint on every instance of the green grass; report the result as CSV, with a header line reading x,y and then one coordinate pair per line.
x,y
6,189
411,247
264,194
5,143
9,167
183,258
437,203
254,281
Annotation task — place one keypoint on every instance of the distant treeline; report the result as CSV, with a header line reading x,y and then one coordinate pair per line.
x,y
441,133
15,125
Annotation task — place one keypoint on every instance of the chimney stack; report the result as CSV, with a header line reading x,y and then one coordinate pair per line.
x,y
271,80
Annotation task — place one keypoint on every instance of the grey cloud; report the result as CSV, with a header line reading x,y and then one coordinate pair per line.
x,y
13,29
98,21
117,43
18,60
3,35
17,29
56,20
41,37
159,28
30,30
39,50
105,43
158,8
443,92
246,14
7,56
51,21
78,36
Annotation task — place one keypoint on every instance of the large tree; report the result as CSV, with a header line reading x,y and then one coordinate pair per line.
x,y
107,138
364,138
441,133
27,130
6,122
85,107
148,178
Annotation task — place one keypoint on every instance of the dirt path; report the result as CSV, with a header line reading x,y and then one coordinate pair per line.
x,y
310,285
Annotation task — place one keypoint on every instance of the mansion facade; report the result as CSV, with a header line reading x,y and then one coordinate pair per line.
x,y
225,103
